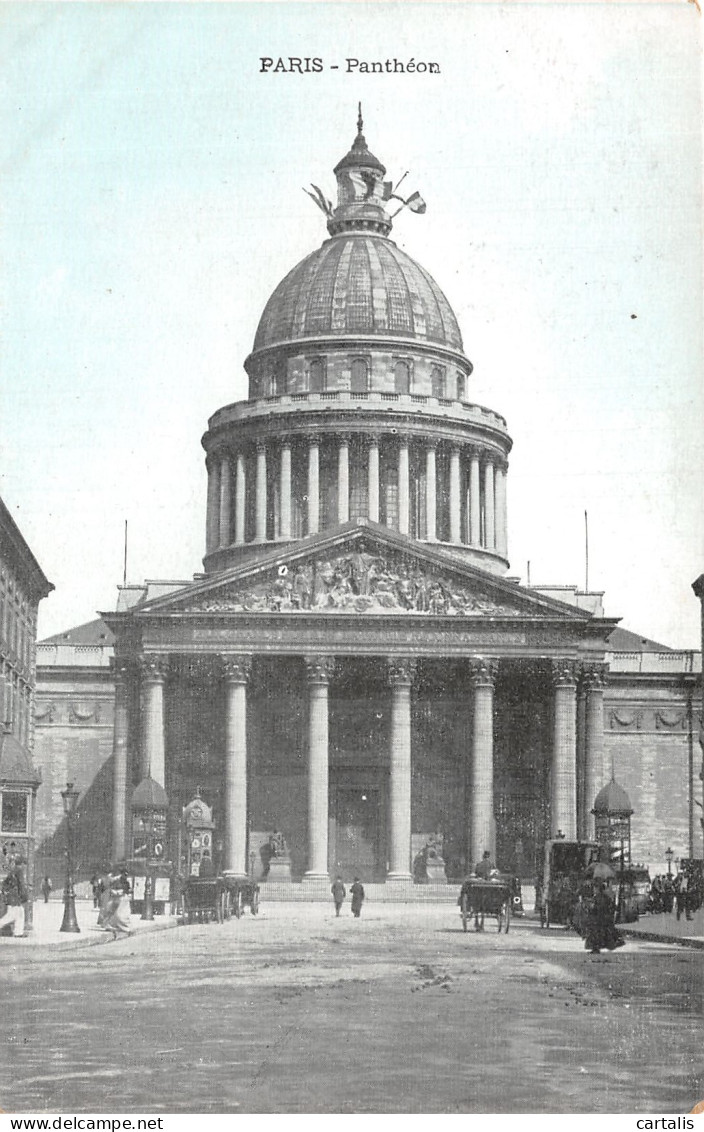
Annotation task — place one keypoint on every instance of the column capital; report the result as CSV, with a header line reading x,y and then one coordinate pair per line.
x,y
236,668
483,671
565,673
154,666
401,671
343,437
594,675
319,669
122,668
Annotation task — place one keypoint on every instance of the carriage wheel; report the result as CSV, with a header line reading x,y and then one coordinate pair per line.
x,y
254,905
508,916
463,907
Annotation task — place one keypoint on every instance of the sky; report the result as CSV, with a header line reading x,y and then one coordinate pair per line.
x,y
151,202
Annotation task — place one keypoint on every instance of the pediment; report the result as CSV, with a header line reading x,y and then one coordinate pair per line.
x,y
361,570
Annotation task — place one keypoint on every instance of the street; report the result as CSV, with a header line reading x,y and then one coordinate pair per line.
x,y
398,1011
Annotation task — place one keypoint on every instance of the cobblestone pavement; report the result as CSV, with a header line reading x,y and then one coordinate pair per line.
x,y
398,1011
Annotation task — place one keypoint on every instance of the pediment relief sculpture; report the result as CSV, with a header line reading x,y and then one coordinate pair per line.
x,y
356,582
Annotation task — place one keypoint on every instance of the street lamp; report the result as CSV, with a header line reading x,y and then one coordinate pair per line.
x,y
69,922
669,854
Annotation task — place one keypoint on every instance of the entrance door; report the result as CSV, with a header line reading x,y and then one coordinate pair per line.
x,y
357,832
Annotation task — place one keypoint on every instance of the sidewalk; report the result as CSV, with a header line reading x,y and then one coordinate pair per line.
x,y
666,928
47,922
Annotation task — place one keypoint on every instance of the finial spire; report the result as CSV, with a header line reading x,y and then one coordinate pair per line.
x,y
360,122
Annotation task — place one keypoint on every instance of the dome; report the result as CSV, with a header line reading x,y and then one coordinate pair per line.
x,y
358,283
612,799
149,795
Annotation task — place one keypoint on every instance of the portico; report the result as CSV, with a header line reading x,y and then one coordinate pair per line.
x,y
323,679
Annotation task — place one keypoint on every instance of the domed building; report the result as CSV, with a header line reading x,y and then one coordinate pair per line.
x,y
353,668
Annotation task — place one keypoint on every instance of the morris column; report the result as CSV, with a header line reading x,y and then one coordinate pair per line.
x,y
236,670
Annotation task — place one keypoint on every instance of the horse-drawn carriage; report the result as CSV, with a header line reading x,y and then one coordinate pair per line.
x,y
566,867
216,899
492,897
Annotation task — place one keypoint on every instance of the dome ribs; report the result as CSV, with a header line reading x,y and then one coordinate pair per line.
x,y
450,329
339,293
360,316
399,303
357,284
318,314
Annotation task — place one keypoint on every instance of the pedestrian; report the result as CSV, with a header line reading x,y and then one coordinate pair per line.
x,y
97,886
13,893
668,894
117,917
600,930
357,893
339,892
682,896
46,889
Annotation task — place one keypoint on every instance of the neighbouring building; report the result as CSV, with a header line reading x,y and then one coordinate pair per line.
x,y
22,587
354,668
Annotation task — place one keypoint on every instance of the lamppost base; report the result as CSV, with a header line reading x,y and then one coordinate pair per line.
x,y
69,922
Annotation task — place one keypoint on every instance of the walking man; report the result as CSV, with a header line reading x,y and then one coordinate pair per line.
x,y
339,892
14,894
357,891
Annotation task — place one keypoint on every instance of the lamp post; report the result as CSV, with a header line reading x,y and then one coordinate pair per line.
x,y
69,922
148,827
669,854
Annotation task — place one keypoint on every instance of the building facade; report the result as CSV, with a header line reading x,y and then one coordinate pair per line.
x,y
354,668
22,587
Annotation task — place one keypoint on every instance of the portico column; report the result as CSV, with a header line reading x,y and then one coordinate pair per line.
x,y
563,790
236,670
154,669
431,532
224,539
212,528
474,502
500,506
489,517
403,488
455,494
319,671
260,501
240,498
373,479
119,761
343,480
481,799
594,777
285,470
401,673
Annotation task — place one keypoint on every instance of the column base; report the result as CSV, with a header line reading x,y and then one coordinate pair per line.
x,y
399,878
316,884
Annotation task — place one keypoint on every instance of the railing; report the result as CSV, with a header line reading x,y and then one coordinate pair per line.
x,y
439,405
681,661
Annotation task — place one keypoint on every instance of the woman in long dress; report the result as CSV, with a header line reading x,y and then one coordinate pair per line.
x,y
117,917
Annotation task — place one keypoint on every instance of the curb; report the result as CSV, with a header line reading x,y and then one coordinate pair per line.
x,y
91,938
654,937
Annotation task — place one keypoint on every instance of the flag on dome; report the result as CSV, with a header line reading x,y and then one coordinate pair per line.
x,y
416,203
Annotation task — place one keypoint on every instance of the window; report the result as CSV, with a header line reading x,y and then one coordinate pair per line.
x,y
461,387
280,379
359,380
437,382
316,376
13,816
402,377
